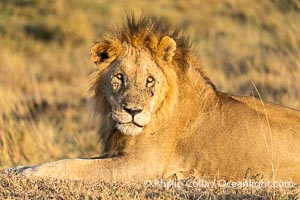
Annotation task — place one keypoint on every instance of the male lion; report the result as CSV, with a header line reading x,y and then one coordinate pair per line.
x,y
161,117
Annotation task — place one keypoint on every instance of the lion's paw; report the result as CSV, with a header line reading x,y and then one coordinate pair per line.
x,y
24,170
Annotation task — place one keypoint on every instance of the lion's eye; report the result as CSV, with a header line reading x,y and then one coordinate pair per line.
x,y
120,76
150,81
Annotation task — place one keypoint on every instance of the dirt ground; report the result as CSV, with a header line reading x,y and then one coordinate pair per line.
x,y
13,186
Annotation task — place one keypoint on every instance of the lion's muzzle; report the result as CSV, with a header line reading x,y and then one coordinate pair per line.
x,y
131,120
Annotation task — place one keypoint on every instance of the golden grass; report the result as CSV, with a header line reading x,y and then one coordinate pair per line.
x,y
19,187
44,63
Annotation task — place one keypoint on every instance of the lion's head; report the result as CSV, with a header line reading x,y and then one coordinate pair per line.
x,y
138,69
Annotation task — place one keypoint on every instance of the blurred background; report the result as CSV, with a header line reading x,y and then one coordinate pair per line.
x,y
45,64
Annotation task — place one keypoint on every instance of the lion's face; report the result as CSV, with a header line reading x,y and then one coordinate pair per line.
x,y
138,83
134,87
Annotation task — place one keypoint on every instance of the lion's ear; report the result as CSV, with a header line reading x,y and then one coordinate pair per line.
x,y
166,48
104,51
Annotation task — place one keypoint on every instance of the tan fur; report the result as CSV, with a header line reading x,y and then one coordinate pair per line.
x,y
194,129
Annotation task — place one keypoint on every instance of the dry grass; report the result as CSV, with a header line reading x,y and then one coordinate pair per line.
x,y
44,63
18,187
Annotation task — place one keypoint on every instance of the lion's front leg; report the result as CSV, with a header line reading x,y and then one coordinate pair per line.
x,y
65,169
110,169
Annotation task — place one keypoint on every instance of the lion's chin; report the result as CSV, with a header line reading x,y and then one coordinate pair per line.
x,y
129,129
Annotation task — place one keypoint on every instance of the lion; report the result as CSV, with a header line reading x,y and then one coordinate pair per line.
x,y
160,116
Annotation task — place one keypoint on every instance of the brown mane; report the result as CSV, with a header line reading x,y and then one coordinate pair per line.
x,y
147,31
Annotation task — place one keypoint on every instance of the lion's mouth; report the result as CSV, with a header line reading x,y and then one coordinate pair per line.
x,y
130,125
140,126
133,122
130,128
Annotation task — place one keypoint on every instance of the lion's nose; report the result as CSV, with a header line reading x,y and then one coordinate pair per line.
x,y
132,111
